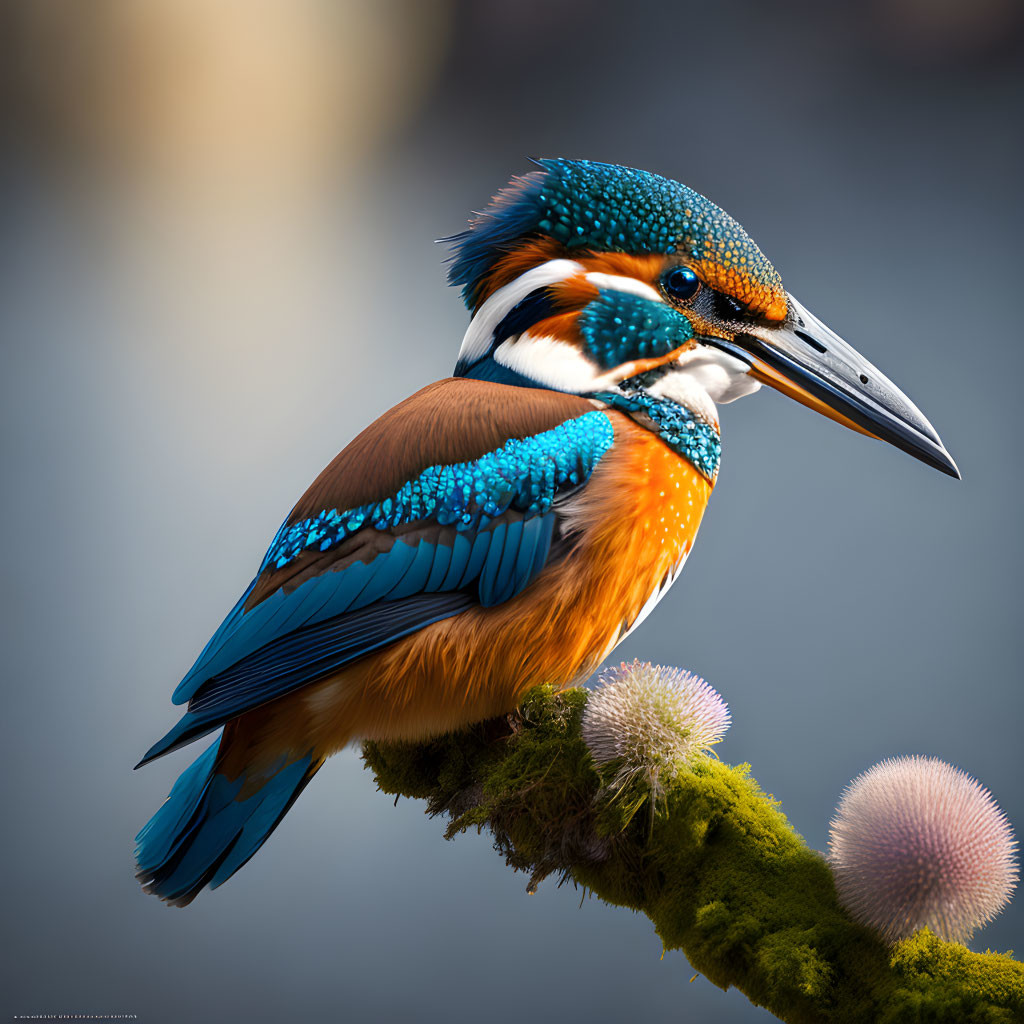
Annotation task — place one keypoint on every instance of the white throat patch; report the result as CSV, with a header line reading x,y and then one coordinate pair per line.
x,y
703,378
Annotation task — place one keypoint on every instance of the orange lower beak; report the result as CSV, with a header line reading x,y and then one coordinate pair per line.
x,y
766,375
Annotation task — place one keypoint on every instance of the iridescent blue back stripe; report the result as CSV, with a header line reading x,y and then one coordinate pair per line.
x,y
525,475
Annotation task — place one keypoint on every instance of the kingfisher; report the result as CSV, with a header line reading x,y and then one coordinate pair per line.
x,y
510,525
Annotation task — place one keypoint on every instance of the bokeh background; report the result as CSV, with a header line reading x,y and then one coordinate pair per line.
x,y
217,265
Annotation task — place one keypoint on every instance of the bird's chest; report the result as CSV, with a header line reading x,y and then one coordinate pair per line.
x,y
642,512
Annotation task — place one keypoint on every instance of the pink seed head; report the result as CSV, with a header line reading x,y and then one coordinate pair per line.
x,y
917,842
650,719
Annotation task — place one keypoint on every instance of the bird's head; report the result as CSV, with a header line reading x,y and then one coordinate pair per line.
x,y
593,278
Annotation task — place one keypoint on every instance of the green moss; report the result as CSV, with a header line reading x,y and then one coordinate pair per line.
x,y
713,863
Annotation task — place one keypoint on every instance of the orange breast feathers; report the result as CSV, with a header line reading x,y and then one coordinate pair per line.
x,y
629,531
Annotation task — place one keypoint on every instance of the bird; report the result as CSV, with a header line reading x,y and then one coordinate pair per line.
x,y
510,525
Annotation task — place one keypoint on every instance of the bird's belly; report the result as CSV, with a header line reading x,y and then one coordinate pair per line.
x,y
632,527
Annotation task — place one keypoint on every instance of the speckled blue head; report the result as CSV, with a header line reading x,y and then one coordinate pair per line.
x,y
583,205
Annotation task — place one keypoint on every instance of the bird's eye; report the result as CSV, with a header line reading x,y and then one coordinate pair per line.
x,y
681,283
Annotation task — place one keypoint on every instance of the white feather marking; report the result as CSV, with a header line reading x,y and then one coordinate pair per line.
x,y
619,283
556,364
479,334
321,700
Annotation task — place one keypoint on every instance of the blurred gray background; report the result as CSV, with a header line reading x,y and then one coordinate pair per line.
x,y
216,266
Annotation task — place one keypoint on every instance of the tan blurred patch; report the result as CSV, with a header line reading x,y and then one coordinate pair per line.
x,y
931,32
224,96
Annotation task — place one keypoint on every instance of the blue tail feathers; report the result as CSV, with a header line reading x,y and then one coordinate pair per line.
x,y
204,833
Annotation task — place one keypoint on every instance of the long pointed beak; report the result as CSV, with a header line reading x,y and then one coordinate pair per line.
x,y
802,358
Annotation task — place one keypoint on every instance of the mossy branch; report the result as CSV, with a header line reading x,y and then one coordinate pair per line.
x,y
712,862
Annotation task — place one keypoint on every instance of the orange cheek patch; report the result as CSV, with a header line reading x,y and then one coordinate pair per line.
x,y
564,327
573,293
529,255
643,268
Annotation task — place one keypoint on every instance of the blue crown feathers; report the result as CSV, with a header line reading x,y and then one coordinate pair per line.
x,y
606,208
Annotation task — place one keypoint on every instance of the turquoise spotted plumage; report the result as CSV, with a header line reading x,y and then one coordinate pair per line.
x,y
695,439
602,207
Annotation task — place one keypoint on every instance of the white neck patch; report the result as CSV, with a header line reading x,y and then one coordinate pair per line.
x,y
553,363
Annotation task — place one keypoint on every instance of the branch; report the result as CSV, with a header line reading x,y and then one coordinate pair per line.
x,y
711,861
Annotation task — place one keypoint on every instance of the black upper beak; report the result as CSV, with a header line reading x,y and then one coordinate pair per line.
x,y
804,359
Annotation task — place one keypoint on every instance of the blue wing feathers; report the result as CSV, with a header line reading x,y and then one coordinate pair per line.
x,y
462,547
343,587
543,549
496,582
507,556
386,572
505,579
414,578
489,570
439,568
213,645
477,556
303,657
533,535
307,604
